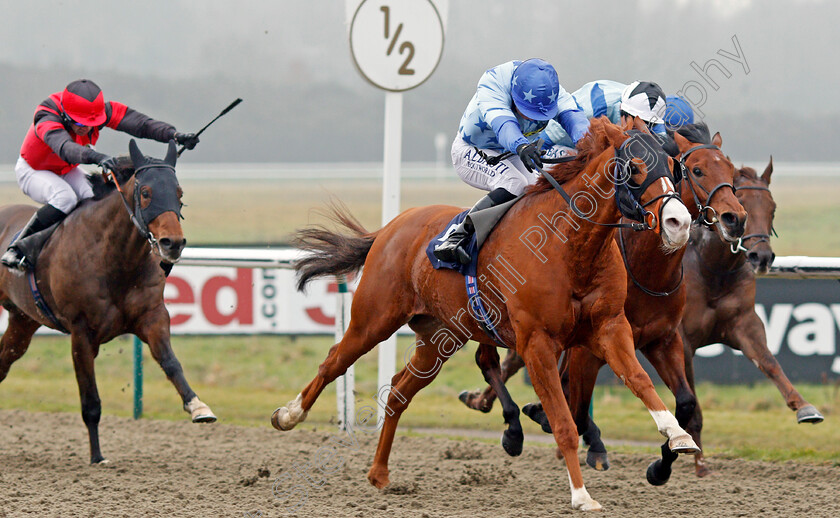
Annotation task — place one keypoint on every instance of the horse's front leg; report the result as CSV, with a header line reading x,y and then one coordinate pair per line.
x,y
748,335
666,356
154,330
615,344
540,356
84,353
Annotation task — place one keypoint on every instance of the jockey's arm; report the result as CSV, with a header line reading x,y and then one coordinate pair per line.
x,y
134,123
68,150
494,102
574,122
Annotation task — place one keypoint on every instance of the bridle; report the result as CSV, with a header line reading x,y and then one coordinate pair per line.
x,y
628,203
689,176
139,216
738,246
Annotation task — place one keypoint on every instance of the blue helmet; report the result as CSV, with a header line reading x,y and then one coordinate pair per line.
x,y
534,89
678,112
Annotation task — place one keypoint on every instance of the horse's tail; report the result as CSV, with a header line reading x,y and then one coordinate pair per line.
x,y
332,253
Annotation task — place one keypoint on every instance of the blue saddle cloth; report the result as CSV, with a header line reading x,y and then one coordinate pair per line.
x,y
471,248
477,309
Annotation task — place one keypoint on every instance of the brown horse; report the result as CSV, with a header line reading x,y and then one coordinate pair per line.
x,y
563,279
101,278
655,294
721,297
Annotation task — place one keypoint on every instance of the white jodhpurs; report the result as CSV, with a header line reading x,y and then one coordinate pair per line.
x,y
509,174
63,192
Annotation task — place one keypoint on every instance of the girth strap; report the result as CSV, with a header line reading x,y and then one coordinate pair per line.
x,y
42,304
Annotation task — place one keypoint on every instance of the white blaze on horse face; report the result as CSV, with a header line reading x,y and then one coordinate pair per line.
x,y
676,222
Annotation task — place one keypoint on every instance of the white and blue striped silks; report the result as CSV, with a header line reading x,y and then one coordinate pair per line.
x,y
489,121
602,97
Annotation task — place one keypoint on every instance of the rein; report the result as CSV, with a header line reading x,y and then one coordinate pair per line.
x,y
650,292
701,218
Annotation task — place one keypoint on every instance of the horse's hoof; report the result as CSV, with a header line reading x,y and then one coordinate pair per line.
x,y
809,414
585,502
199,411
99,462
683,444
204,418
597,460
280,419
379,478
512,443
286,417
658,475
473,400
535,412
701,470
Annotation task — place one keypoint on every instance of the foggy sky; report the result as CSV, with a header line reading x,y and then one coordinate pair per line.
x,y
183,61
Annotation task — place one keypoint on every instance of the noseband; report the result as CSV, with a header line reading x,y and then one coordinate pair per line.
x,y
689,175
737,246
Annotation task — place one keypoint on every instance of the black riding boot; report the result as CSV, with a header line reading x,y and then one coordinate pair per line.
x,y
453,249
45,217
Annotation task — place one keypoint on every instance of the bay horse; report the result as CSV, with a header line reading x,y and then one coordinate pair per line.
x,y
564,282
721,298
656,298
101,278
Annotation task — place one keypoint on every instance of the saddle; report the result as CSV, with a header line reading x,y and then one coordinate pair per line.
x,y
484,222
31,246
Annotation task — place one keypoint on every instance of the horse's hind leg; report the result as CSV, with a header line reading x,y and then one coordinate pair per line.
x,y
482,400
487,359
371,322
84,354
16,339
423,367
154,330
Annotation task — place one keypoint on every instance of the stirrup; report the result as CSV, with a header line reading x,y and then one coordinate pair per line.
x,y
14,260
452,252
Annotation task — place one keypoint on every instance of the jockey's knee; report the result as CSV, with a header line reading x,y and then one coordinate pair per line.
x,y
64,200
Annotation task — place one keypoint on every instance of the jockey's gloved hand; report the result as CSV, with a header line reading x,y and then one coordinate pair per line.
x,y
188,140
108,163
530,156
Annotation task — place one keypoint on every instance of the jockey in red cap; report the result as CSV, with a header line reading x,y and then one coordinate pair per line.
x,y
66,125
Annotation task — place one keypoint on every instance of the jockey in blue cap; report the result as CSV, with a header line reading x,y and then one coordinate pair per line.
x,y
512,105
616,101
678,112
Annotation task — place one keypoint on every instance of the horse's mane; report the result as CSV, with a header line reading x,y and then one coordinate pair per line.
x,y
697,133
101,188
591,145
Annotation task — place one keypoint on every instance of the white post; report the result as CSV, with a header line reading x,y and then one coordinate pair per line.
x,y
390,208
344,385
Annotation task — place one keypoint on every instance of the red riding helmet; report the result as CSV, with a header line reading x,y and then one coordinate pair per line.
x,y
84,103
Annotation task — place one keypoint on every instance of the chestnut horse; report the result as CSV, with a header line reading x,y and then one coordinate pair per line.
x,y
721,297
558,291
101,278
656,294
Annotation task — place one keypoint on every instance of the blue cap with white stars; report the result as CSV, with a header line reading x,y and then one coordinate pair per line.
x,y
534,89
